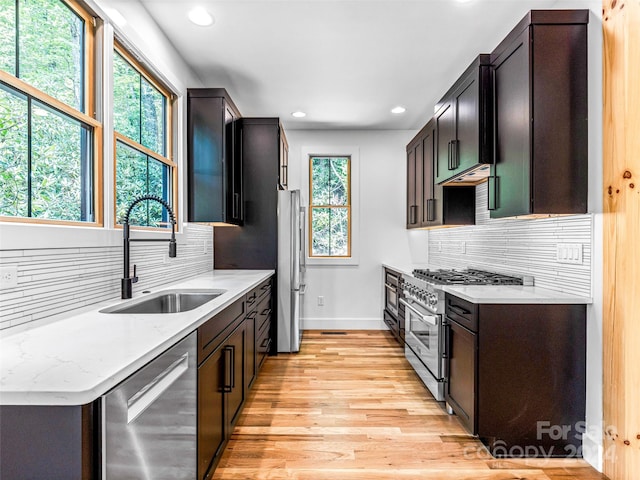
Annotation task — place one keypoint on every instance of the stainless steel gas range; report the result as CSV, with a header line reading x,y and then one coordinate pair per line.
x,y
425,342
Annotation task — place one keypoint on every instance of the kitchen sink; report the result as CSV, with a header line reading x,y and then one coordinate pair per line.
x,y
168,301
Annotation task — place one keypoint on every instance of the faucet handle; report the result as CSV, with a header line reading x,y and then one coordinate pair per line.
x,y
134,279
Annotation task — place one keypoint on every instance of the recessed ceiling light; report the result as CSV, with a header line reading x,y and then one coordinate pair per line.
x,y
464,1
200,16
299,114
398,109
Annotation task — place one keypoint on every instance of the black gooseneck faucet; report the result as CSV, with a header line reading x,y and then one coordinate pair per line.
x,y
127,281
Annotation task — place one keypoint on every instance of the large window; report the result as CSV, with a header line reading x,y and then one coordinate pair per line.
x,y
330,206
48,161
141,108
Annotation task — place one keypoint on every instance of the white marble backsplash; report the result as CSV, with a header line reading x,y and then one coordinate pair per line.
x,y
518,246
60,280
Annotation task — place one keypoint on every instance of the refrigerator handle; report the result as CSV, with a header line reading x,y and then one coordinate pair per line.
x,y
303,229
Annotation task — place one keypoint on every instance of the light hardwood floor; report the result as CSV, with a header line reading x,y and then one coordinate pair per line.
x,y
350,407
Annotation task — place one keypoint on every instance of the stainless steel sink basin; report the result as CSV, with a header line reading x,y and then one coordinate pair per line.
x,y
168,301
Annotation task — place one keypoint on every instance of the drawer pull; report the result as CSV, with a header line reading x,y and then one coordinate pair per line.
x,y
266,311
459,310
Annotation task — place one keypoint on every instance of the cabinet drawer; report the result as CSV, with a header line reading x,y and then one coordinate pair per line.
x,y
463,312
263,312
215,329
263,344
264,289
257,294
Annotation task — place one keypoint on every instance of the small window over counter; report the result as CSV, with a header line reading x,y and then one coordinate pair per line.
x,y
142,142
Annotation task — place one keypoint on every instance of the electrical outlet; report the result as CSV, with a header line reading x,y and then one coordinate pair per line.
x,y
204,247
463,247
320,301
165,259
9,276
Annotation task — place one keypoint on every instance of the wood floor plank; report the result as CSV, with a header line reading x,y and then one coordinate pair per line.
x,y
350,407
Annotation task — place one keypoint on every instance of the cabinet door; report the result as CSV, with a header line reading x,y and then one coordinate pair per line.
x,y
234,370
206,172
284,160
431,196
445,137
211,421
460,391
250,349
414,185
466,152
509,184
234,164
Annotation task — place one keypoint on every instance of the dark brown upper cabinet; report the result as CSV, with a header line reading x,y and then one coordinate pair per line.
x,y
430,204
464,121
255,245
214,165
540,86
283,176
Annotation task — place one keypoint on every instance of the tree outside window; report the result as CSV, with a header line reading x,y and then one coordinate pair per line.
x,y
47,158
143,167
330,207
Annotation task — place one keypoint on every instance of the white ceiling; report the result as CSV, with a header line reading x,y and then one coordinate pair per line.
x,y
345,63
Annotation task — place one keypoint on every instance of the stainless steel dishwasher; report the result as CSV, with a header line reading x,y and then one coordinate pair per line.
x,y
149,420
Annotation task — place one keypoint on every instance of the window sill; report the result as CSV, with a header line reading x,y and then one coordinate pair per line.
x,y
25,236
332,262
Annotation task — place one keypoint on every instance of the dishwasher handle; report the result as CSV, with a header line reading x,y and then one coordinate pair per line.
x,y
147,395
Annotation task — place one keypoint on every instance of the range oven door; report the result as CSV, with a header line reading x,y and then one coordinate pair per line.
x,y
424,335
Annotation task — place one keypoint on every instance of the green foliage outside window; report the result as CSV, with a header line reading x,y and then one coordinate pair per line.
x,y
151,177
50,47
139,114
46,156
330,206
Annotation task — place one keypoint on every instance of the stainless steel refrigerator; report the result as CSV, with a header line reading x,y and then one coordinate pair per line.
x,y
291,268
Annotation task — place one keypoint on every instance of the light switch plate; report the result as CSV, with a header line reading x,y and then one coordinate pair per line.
x,y
570,253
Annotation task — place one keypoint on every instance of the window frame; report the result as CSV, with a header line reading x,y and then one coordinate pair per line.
x,y
87,117
120,49
346,207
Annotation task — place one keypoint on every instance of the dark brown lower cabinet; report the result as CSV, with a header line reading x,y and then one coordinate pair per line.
x,y
461,389
50,441
221,392
232,347
516,375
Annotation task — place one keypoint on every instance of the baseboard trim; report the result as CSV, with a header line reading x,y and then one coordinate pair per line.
x,y
343,324
592,450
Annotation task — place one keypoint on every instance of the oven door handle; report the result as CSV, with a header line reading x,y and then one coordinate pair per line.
x,y
391,287
430,319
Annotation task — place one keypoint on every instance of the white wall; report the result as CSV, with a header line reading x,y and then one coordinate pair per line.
x,y
353,294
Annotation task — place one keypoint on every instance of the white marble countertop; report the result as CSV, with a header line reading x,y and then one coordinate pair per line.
x,y
404,268
76,360
514,294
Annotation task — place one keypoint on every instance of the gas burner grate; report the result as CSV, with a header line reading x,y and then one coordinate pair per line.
x,y
466,277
